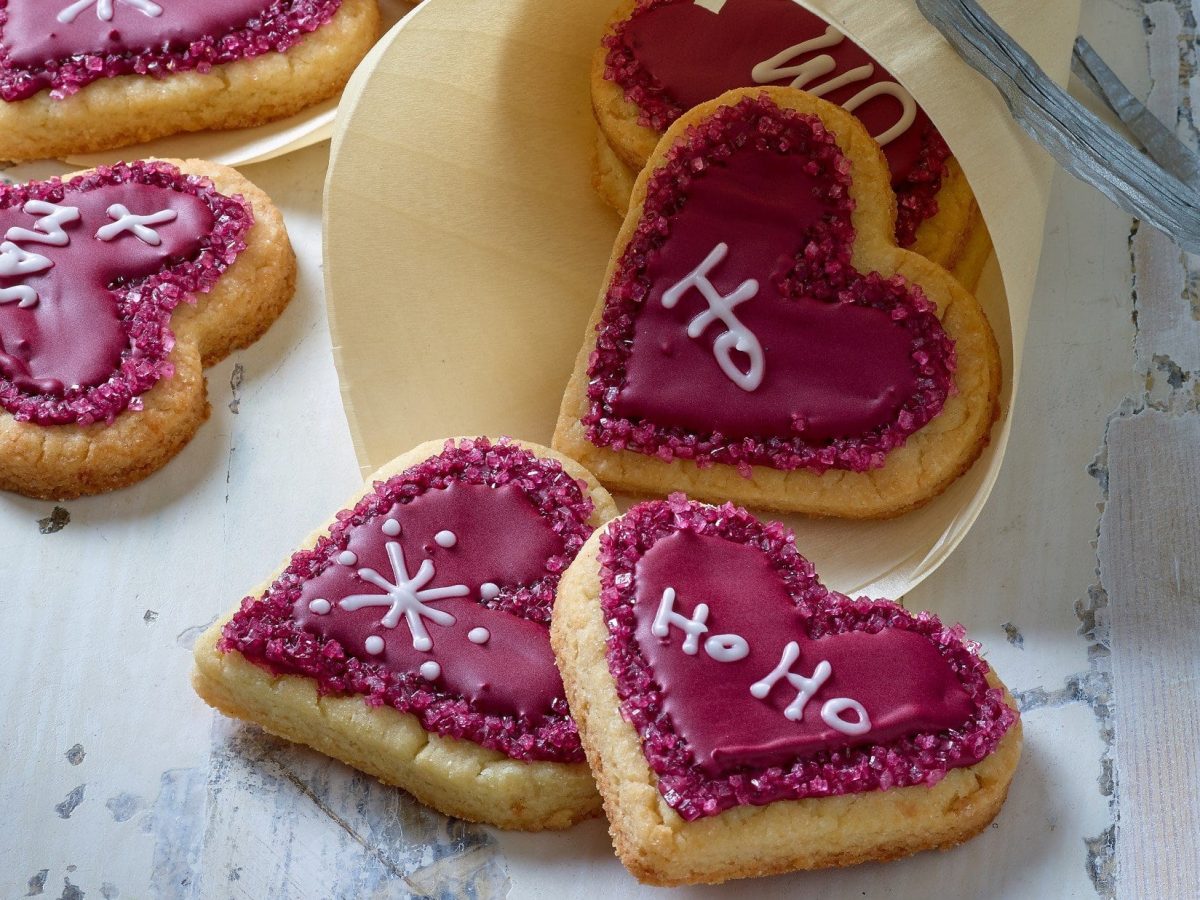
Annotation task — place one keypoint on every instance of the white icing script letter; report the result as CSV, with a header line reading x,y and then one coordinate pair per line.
x,y
831,715
49,224
831,710
15,261
802,75
806,686
104,9
693,627
738,336
139,226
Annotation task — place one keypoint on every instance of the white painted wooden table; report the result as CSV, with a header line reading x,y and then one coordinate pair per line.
x,y
1081,579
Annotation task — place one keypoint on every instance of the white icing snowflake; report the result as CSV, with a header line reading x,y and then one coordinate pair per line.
x,y
104,9
406,596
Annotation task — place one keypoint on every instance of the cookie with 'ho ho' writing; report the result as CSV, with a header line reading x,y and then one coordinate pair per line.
x,y
741,719
410,638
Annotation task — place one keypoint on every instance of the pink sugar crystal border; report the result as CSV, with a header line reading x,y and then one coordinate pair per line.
x,y
265,632
279,28
916,193
145,305
821,270
917,759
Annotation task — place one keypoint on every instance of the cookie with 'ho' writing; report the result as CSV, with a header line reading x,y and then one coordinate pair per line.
x,y
117,287
79,76
660,58
760,337
410,639
741,719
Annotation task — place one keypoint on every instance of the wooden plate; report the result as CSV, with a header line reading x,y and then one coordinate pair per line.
x,y
464,249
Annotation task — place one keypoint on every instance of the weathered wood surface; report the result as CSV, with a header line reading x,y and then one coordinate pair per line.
x,y
1080,579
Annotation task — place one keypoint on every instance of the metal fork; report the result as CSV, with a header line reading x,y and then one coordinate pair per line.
x,y
1161,186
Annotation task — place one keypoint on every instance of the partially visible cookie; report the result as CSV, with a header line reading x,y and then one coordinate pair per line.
x,y
410,638
660,58
743,720
760,337
80,77
117,287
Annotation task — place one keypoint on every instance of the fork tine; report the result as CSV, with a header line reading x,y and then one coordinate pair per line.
x,y
1166,149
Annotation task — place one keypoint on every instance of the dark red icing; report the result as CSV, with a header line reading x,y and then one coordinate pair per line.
x,y
711,743
854,363
671,55
518,521
98,336
41,52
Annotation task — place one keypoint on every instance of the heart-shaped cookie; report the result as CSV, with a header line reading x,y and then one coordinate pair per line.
x,y
429,598
743,719
224,61
660,58
759,327
100,378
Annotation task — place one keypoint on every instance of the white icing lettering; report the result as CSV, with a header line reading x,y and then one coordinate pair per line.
x,y
406,596
15,261
802,75
721,307
806,687
727,647
51,219
831,715
139,226
693,627
104,9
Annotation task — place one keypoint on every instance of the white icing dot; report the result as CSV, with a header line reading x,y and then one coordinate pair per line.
x,y
446,538
489,591
320,607
478,635
391,528
430,670
374,644
347,558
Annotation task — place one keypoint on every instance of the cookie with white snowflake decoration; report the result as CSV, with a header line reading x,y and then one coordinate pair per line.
x,y
118,286
411,638
79,76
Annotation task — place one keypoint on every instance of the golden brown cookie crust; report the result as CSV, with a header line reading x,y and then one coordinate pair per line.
x,y
624,145
914,474
67,461
660,848
457,777
131,109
